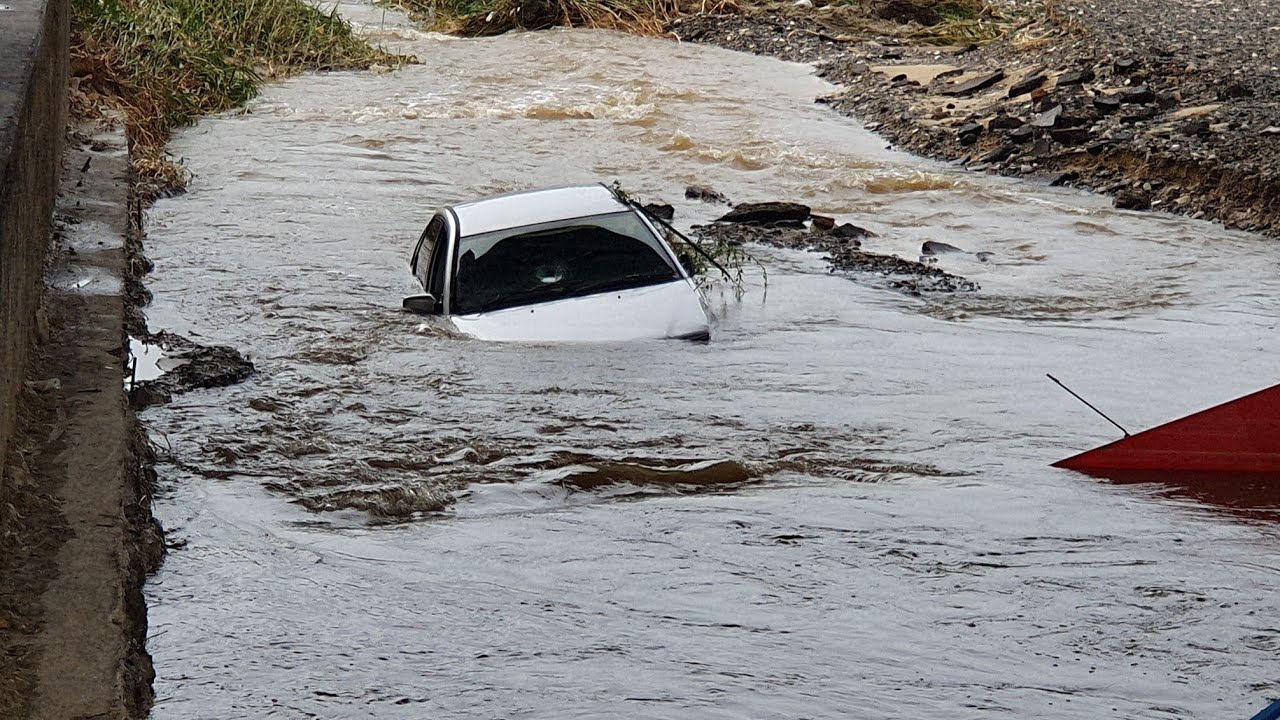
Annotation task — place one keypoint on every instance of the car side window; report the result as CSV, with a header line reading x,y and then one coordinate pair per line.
x,y
439,261
426,250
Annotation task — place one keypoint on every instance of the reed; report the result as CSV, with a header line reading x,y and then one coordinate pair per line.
x,y
164,63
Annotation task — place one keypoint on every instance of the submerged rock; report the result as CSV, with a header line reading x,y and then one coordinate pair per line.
x,y
705,194
852,232
662,211
933,247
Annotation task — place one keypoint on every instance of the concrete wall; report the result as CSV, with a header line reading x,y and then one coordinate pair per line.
x,y
33,94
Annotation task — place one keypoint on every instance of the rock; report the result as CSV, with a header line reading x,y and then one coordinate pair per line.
x,y
851,231
1075,77
1139,115
823,223
974,84
1270,130
1197,111
766,213
1022,134
1004,122
1166,101
705,194
1071,121
933,247
1233,91
1125,66
1048,118
1070,136
1106,104
662,211
1132,200
1195,126
969,132
1000,154
1136,95
1026,85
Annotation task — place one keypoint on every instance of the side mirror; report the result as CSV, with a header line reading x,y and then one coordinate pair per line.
x,y
686,261
422,304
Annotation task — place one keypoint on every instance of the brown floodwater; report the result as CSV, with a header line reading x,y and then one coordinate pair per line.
x,y
841,506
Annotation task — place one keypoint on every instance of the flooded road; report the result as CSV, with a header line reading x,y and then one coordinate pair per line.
x,y
841,506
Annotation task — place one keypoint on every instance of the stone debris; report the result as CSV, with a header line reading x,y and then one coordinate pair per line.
x,y
845,255
705,194
766,213
1182,96
967,87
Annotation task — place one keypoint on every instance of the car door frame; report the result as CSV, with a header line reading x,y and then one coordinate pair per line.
x,y
442,251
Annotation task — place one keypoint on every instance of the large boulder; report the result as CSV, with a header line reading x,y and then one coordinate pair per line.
x,y
767,213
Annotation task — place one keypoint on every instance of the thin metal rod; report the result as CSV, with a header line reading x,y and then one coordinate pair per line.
x,y
1086,402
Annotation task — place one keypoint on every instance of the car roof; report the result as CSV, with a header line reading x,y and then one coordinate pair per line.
x,y
531,207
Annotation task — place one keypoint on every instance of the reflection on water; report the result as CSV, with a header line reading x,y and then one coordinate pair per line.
x,y
840,506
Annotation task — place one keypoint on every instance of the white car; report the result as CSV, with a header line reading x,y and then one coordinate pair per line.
x,y
561,264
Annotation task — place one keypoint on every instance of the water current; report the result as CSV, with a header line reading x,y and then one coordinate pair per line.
x,y
841,506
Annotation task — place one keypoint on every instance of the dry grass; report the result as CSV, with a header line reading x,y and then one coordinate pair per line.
x,y
492,17
165,63
966,22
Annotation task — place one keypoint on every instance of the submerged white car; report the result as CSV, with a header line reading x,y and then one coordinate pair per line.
x,y
561,264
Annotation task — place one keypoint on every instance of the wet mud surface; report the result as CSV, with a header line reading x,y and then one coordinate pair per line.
x,y
843,500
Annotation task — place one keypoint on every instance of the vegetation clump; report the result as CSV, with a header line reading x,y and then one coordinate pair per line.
x,y
493,17
165,63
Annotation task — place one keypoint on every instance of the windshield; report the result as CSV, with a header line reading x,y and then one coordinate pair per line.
x,y
556,260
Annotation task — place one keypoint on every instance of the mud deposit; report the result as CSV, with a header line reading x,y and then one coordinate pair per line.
x,y
841,506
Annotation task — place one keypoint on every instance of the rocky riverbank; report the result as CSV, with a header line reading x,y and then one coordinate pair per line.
x,y
1164,104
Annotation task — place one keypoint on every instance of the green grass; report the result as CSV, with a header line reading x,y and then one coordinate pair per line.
x,y
165,63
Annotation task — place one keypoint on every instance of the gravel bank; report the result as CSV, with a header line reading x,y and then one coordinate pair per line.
x,y
1165,104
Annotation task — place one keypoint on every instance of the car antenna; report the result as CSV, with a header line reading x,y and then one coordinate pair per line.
x,y
1086,402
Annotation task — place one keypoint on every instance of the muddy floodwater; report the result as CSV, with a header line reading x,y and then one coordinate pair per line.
x,y
841,506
